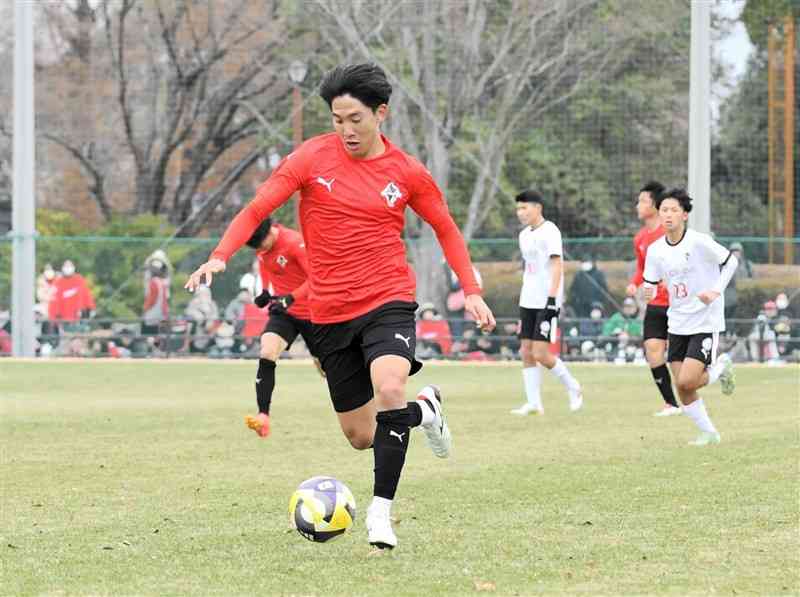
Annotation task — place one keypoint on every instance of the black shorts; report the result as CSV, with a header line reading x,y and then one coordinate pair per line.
x,y
288,327
701,347
534,326
346,350
655,322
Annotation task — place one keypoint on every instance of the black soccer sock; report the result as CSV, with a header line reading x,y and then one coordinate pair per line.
x,y
664,383
389,448
265,384
414,413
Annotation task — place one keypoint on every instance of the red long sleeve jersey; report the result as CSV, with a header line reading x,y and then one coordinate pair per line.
x,y
285,266
643,239
352,214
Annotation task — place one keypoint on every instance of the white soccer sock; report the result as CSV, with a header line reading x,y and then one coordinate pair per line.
x,y
380,505
564,376
697,412
532,377
715,371
428,415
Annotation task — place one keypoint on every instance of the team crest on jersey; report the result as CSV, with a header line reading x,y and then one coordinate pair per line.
x,y
391,193
706,349
282,261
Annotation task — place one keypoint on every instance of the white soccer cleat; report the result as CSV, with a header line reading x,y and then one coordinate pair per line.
x,y
575,399
437,433
527,409
379,529
726,379
668,411
706,438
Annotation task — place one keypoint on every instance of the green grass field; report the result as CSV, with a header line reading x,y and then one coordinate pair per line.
x,y
141,478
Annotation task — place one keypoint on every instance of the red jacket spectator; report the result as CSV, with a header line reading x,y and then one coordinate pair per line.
x,y
5,342
435,331
156,303
72,296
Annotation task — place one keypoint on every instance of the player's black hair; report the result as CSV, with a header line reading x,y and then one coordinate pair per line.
x,y
680,195
365,82
529,196
259,234
653,187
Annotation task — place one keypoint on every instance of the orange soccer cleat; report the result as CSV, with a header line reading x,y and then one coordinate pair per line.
x,y
259,424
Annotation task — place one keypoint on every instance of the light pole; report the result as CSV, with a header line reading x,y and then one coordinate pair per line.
x,y
297,73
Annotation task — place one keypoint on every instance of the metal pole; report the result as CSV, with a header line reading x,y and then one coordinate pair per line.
x,y
24,199
771,136
700,116
788,139
297,139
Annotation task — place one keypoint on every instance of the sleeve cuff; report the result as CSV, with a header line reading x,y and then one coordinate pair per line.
x,y
728,258
650,282
468,290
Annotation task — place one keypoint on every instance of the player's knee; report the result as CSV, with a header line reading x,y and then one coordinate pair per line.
x,y
269,349
685,385
360,439
540,354
391,391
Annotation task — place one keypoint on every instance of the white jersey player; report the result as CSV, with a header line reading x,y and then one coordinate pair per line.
x,y
696,269
539,304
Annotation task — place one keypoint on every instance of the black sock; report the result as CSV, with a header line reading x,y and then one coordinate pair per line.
x,y
389,448
265,384
414,413
664,383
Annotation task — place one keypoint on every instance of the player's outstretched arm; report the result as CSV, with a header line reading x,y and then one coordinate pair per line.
x,y
276,191
480,312
207,271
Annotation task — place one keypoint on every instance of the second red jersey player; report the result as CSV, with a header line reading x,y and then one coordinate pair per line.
x,y
284,266
655,316
643,239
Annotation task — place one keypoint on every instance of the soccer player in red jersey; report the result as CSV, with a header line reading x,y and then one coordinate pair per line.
x,y
283,263
355,186
655,316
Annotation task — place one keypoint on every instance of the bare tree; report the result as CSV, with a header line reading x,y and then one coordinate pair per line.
x,y
467,74
191,82
180,92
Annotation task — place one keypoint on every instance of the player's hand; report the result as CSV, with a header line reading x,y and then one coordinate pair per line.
x,y
480,311
281,303
263,299
631,289
708,296
551,311
208,269
649,292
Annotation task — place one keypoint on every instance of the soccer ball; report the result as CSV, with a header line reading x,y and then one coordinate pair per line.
x,y
322,508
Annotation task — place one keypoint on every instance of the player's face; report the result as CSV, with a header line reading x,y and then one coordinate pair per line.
x,y
645,207
357,125
672,215
528,213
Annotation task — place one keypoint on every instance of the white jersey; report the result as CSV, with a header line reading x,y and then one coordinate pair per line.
x,y
689,267
537,246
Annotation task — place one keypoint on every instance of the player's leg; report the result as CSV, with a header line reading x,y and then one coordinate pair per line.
x,y
278,335
689,377
655,348
542,354
531,371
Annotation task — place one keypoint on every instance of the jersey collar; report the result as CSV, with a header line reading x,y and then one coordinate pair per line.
x,y
666,238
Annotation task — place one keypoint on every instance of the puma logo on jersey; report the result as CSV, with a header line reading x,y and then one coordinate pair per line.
x,y
397,435
327,184
391,193
406,340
